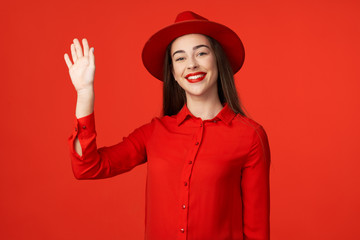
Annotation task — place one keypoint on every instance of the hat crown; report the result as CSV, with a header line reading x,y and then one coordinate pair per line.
x,y
188,15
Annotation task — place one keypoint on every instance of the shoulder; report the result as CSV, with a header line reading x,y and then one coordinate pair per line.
x,y
156,122
258,139
164,120
252,127
246,122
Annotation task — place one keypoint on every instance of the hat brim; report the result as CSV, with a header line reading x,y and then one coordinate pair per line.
x,y
153,53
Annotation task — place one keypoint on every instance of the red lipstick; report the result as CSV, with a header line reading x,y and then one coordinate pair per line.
x,y
195,77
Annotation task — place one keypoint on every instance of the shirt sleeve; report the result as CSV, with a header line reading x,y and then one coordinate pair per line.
x,y
256,190
109,161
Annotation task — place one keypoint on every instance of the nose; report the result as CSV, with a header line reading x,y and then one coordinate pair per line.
x,y
192,63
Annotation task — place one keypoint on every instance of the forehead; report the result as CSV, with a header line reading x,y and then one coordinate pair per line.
x,y
188,41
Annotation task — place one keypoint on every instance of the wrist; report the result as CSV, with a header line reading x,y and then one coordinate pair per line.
x,y
86,92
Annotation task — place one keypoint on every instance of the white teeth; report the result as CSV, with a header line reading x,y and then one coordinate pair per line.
x,y
196,76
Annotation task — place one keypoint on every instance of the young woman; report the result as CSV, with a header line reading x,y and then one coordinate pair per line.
x,y
207,163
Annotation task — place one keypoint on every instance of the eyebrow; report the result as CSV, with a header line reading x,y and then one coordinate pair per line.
x,y
194,48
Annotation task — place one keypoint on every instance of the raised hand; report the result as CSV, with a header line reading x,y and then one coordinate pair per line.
x,y
82,72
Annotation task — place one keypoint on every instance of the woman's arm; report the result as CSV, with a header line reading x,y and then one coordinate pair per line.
x,y
84,107
109,161
88,161
255,188
82,73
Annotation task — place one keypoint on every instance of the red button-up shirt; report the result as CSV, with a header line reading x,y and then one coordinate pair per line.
x,y
206,179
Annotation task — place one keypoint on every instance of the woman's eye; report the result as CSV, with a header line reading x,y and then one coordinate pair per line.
x,y
179,59
202,53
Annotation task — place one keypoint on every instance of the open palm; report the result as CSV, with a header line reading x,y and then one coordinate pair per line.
x,y
82,71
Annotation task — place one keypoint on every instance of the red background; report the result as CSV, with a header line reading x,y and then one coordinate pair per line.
x,y
300,80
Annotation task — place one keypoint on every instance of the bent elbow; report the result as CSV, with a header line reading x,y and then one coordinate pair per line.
x,y
79,175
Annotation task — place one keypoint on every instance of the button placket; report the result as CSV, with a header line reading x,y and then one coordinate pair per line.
x,y
186,176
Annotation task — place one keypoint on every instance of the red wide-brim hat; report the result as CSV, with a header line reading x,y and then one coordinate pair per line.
x,y
188,22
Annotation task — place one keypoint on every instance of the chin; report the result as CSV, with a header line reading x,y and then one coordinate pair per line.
x,y
195,93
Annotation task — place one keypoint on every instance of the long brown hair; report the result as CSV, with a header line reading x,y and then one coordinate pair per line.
x,y
174,96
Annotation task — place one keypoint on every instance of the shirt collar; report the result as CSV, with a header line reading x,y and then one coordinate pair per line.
x,y
226,114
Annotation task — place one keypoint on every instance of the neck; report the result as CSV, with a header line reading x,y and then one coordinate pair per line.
x,y
204,108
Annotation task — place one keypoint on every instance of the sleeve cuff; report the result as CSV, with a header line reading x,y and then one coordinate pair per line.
x,y
84,126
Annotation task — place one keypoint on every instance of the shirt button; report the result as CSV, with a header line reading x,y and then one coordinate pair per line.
x,y
182,230
185,184
214,121
197,143
75,129
190,162
201,125
83,127
183,206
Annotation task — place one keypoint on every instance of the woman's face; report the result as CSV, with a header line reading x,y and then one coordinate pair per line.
x,y
194,65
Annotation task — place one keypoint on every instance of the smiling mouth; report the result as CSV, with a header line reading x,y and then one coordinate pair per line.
x,y
195,77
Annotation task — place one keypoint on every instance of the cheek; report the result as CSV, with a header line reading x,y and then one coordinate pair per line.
x,y
213,64
214,68
176,71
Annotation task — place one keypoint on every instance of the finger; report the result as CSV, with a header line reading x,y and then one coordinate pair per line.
x,y
78,48
67,60
73,52
92,57
86,47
